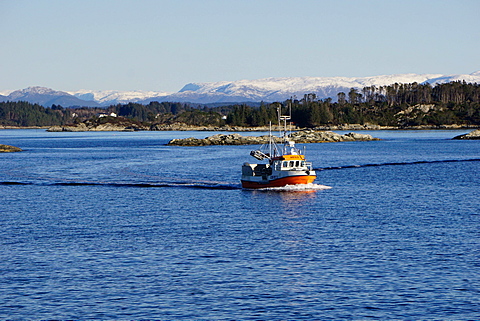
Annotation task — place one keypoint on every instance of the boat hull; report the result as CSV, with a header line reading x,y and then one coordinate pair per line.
x,y
280,182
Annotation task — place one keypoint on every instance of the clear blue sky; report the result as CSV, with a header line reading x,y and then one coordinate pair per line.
x,y
163,44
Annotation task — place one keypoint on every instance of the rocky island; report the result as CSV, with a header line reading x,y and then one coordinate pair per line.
x,y
112,124
9,149
472,135
302,136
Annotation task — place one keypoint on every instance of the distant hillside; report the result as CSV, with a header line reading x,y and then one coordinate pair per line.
x,y
455,104
240,91
48,97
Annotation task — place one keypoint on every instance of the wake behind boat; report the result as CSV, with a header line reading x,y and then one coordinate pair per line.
x,y
286,164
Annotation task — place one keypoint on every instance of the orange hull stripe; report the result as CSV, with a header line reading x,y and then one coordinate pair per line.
x,y
290,157
292,180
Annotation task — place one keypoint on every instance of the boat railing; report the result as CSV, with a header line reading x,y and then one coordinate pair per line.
x,y
309,165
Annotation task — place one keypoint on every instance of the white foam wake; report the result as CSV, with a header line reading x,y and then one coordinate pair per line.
x,y
298,187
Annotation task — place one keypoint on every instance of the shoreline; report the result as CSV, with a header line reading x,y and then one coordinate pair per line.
x,y
302,137
26,127
183,127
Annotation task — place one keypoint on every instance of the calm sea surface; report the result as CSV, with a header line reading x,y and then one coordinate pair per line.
x,y
120,226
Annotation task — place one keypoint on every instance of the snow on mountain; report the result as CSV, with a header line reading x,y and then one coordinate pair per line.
x,y
40,91
273,89
280,89
471,78
6,92
267,90
48,97
111,97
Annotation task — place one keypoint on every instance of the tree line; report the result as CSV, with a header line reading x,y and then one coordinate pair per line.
x,y
24,114
394,105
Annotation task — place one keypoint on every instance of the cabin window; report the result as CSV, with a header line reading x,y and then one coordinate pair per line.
x,y
292,163
284,164
297,163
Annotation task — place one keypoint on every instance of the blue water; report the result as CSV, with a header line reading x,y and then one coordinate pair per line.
x,y
120,226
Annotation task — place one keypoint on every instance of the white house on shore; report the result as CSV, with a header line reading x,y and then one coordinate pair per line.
x,y
106,115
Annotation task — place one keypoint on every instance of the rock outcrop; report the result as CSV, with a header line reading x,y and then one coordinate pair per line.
x,y
109,124
314,136
84,128
303,136
225,128
9,149
472,135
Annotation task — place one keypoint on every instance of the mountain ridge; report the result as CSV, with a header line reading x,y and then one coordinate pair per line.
x,y
266,89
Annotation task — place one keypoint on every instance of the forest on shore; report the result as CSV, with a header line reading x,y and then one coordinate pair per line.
x,y
399,105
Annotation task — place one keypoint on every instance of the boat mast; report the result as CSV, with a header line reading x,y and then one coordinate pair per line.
x,y
270,142
290,115
283,131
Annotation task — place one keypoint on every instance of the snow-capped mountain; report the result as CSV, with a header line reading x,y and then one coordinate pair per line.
x,y
48,97
111,97
267,90
279,89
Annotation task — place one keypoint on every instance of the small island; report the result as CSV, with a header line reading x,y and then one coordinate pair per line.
x,y
472,135
302,136
101,124
9,149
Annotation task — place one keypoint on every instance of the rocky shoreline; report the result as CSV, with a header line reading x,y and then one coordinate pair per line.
x,y
9,149
23,127
303,136
128,125
474,135
378,127
107,127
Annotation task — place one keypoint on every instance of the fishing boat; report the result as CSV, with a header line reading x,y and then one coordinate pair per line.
x,y
285,163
